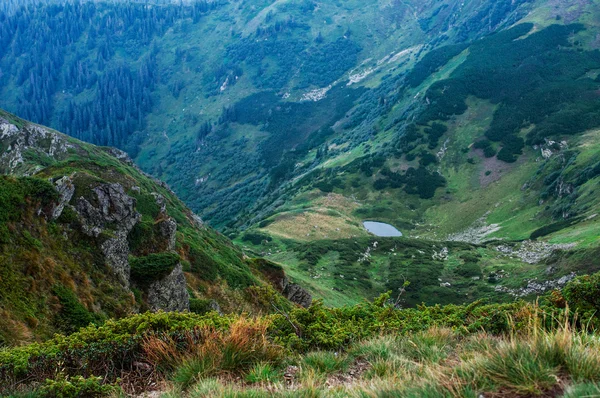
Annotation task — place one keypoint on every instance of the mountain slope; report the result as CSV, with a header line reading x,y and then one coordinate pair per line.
x,y
287,124
85,236
184,77
456,154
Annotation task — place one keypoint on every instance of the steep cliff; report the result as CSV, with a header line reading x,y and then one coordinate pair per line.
x,y
85,236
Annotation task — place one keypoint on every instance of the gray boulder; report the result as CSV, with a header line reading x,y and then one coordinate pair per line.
x,y
170,293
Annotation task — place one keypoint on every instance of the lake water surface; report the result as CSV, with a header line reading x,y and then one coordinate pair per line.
x,y
381,229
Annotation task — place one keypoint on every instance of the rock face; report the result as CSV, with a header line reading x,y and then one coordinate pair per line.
x,y
31,138
168,226
276,276
112,211
296,294
66,189
170,293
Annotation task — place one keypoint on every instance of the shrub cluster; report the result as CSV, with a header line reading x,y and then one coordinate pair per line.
x,y
153,267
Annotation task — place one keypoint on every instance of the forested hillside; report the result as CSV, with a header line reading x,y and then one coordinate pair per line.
x,y
426,170
175,82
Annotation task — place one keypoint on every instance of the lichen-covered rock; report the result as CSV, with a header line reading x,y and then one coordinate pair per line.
x,y
169,293
160,201
113,210
26,140
66,189
168,229
214,306
297,294
116,254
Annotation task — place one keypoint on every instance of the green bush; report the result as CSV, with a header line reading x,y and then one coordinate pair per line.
x,y
551,228
153,267
469,270
583,293
73,315
256,238
76,387
199,306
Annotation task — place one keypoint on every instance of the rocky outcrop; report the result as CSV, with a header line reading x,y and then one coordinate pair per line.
x,y
113,210
275,274
536,287
66,189
110,210
170,293
26,140
296,294
168,230
168,226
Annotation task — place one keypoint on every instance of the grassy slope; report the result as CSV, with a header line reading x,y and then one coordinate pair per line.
x,y
40,256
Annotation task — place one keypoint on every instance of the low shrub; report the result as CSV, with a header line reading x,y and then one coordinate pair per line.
x,y
256,238
153,267
583,293
200,306
73,315
527,344
77,386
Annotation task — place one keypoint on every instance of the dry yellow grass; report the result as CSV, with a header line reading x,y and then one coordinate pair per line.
x,y
330,217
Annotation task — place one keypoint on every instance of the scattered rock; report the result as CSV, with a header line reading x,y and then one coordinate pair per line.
x,y
441,255
532,252
535,287
475,234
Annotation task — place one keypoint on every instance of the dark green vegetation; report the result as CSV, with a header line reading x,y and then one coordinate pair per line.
x,y
548,87
545,340
260,114
345,271
151,268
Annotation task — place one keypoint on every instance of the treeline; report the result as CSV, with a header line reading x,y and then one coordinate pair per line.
x,y
86,68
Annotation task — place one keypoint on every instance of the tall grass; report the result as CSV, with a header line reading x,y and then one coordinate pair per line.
x,y
207,351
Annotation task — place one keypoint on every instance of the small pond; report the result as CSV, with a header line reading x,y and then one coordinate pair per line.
x,y
381,229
